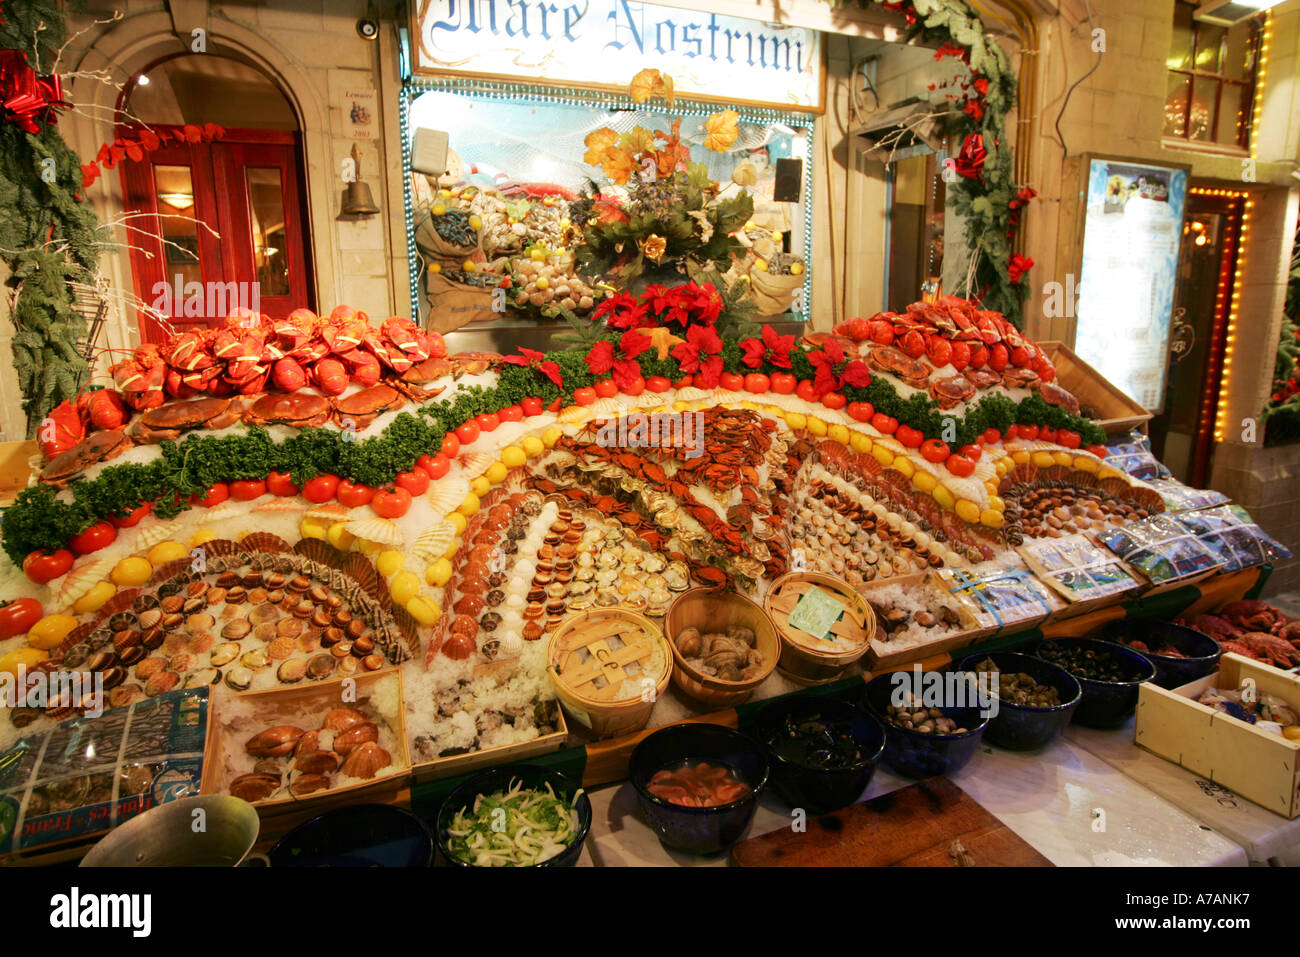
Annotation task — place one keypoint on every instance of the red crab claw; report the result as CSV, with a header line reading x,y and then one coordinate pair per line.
x,y
401,333
176,387
303,316
62,431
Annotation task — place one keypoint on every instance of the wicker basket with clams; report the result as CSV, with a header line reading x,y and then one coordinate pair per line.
x,y
724,646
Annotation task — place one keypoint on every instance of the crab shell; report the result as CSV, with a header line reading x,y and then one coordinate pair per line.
x,y
169,420
950,391
364,406
98,447
301,409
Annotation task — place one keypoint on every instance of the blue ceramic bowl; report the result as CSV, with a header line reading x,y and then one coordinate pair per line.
x,y
499,779
698,830
359,835
1019,727
1201,652
819,790
915,754
1106,704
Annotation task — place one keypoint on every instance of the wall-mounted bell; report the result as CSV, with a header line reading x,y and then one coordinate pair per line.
x,y
357,200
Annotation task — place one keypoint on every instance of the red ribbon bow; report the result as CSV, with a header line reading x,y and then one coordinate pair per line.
x,y
26,99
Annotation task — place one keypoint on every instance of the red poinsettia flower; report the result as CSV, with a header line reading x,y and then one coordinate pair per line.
x,y
1018,266
623,312
772,348
601,357
634,343
857,374
536,360
699,355
824,360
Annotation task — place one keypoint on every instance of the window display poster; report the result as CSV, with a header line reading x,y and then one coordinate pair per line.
x,y
1132,231
605,42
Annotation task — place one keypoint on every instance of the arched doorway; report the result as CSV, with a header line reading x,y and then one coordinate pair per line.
x,y
223,223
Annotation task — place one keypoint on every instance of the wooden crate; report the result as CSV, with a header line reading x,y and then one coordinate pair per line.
x,y
15,468
490,757
285,706
1119,414
1258,765
881,656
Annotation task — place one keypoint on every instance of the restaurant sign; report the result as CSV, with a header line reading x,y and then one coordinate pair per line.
x,y
603,43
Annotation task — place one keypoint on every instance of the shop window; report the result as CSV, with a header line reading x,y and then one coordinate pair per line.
x,y
1210,85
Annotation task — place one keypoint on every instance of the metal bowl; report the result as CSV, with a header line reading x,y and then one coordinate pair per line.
x,y
169,836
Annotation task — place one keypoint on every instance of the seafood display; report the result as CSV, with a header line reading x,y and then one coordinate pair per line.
x,y
1265,711
698,785
731,656
906,615
1091,663
1020,688
816,742
1255,629
912,715
1078,569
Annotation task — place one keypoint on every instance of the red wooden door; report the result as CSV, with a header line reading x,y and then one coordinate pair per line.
x,y
217,226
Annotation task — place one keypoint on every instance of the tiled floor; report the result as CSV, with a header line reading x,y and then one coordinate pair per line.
x,y
1288,603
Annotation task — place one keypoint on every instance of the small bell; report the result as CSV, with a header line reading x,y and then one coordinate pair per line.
x,y
357,200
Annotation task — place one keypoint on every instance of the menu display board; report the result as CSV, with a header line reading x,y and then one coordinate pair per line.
x,y
1132,231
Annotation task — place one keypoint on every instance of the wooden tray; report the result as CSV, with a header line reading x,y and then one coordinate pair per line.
x,y
1119,414
914,827
15,467
487,757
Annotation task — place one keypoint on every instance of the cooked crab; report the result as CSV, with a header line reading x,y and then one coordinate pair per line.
x,y
361,408
950,391
169,420
897,363
97,447
300,409
1053,394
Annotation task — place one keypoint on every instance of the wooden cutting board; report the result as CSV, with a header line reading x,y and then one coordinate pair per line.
x,y
914,827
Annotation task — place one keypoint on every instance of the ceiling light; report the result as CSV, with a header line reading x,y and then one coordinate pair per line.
x,y
177,200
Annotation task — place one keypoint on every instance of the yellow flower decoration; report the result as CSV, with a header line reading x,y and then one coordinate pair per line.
x,y
722,131
639,141
598,143
650,82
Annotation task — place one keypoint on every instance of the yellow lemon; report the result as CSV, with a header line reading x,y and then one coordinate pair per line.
x,y
1086,463
838,433
1062,458
424,610
165,552
311,528
680,406
452,549
760,265
439,208
537,253
551,436
861,442
27,657
533,446
968,511
1002,466
475,222
883,455
992,518
924,482
130,572
1020,457
995,503
943,497
512,456
1291,732
796,269
796,420
369,548
470,505
203,536
904,466
457,519
1108,472
94,599
816,426
480,487
50,630
339,536
496,473
438,574
541,282
435,267
469,265
404,587
1043,460
389,562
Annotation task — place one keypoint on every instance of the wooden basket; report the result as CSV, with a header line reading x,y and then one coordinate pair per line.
x,y
229,729
1119,414
808,660
881,655
588,674
711,610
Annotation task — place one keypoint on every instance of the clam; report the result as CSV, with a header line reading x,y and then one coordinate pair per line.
x,y
203,678
254,787
309,783
316,762
292,670
274,742
321,666
255,659
366,760
238,679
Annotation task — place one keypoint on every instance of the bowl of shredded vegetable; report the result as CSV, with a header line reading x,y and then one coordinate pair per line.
x,y
520,815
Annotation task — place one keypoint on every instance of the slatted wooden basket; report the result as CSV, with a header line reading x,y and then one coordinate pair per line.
x,y
810,660
590,658
710,610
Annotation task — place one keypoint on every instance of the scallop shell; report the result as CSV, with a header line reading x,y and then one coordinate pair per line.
x,y
474,464
359,569
693,394
379,530
280,505
264,542
574,414
158,532
447,495
608,407
1115,486
313,549
434,541
81,579
330,512
729,397
222,513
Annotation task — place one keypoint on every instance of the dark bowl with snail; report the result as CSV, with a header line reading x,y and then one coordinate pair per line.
x,y
1108,701
824,751
917,753
1025,727
1198,653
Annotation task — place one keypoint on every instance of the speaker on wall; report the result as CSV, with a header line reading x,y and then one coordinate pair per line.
x,y
789,181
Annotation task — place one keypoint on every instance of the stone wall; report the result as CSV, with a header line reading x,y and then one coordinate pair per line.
x,y
1265,481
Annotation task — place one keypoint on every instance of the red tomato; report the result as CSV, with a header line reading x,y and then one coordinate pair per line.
x,y
1069,438
960,466
1012,432
415,481
757,383
972,452
466,433
884,424
1098,450
783,383
935,450
806,391
729,380
910,437
511,413
635,387
99,535
391,502
215,495
657,383
352,494
44,566
683,382
584,396
990,436
861,411
1047,433
606,389
321,488
279,483
436,467
532,406
450,445
17,617
487,422
833,400
1027,432
134,518
245,490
